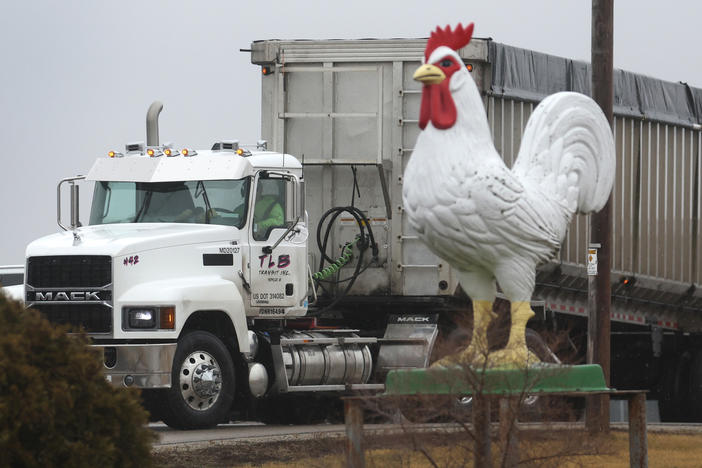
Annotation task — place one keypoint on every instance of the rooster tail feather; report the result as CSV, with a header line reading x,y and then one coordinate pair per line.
x,y
568,150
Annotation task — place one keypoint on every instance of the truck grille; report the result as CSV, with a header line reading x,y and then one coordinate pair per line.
x,y
91,318
69,271
74,290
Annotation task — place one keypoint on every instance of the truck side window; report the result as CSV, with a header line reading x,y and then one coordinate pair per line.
x,y
269,210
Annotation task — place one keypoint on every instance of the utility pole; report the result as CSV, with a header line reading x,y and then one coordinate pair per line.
x,y
599,286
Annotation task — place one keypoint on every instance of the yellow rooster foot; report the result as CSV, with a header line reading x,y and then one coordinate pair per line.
x,y
516,354
452,360
476,353
472,356
513,358
518,357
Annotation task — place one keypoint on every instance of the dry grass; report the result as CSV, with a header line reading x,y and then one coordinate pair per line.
x,y
664,450
445,450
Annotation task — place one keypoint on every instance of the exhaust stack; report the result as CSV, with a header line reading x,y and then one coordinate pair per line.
x,y
152,123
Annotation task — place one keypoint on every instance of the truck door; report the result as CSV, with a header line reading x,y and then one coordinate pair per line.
x,y
278,272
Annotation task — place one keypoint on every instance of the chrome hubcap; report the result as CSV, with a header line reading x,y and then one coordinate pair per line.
x,y
531,400
200,380
465,401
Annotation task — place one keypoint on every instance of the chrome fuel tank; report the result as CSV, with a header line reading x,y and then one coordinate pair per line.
x,y
324,359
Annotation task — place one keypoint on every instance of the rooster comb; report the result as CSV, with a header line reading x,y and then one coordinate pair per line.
x,y
459,37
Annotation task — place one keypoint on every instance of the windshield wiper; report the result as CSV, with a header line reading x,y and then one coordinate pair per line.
x,y
200,190
144,206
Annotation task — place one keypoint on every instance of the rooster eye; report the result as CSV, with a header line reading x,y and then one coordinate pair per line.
x,y
446,63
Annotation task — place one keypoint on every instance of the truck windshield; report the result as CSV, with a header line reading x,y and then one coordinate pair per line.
x,y
204,202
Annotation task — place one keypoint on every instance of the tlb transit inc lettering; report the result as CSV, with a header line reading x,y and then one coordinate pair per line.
x,y
267,261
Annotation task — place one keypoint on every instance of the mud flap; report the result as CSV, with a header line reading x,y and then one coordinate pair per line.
x,y
408,342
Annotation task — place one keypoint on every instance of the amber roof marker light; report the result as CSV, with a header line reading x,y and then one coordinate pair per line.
x,y
154,152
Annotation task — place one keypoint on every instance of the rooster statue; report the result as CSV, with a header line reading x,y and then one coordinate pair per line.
x,y
493,224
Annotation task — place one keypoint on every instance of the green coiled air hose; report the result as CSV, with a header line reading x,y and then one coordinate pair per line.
x,y
346,255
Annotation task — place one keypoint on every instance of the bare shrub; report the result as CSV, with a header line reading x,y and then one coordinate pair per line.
x,y
56,409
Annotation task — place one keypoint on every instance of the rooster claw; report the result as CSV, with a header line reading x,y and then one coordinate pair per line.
x,y
512,358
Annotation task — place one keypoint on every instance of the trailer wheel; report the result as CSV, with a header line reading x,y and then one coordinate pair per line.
x,y
540,408
694,390
460,408
674,403
302,409
202,383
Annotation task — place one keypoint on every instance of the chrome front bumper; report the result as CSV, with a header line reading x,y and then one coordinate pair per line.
x,y
138,365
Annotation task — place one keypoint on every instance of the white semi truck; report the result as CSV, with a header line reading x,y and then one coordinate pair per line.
x,y
192,277
198,276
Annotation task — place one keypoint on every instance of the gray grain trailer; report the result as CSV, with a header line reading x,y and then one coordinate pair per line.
x,y
348,109
11,275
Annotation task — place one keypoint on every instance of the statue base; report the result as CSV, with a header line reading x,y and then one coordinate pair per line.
x,y
465,380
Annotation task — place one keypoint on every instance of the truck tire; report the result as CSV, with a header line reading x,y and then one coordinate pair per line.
x,y
202,383
674,403
538,346
694,390
302,409
153,401
460,409
543,408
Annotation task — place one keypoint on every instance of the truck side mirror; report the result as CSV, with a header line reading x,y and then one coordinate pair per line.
x,y
75,206
74,202
300,199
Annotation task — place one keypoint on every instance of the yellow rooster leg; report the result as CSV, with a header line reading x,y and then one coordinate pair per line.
x,y
477,351
516,354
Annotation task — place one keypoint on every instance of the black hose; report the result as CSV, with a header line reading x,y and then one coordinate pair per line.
x,y
364,242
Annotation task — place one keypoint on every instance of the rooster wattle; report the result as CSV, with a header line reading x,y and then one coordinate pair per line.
x,y
489,222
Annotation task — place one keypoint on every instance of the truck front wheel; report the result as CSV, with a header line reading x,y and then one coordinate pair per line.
x,y
202,383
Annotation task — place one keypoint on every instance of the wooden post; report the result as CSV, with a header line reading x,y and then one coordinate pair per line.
x,y
353,417
508,430
599,287
638,440
481,426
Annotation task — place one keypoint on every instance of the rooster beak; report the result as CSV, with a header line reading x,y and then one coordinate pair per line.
x,y
429,74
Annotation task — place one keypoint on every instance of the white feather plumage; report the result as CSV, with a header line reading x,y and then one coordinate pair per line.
x,y
490,222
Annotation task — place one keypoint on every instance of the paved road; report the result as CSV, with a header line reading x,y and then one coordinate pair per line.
x,y
226,433
255,431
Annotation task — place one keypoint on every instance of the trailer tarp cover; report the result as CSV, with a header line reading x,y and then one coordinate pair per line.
x,y
529,75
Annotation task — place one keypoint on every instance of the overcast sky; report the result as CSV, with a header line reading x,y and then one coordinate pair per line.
x,y
78,76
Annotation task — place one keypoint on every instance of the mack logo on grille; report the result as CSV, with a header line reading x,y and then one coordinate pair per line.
x,y
67,296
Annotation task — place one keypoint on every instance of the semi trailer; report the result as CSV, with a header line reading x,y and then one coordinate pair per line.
x,y
350,107
244,279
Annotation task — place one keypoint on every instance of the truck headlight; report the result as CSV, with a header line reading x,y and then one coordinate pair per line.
x,y
141,318
148,318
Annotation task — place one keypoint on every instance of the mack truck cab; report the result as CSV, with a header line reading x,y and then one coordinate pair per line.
x,y
191,277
